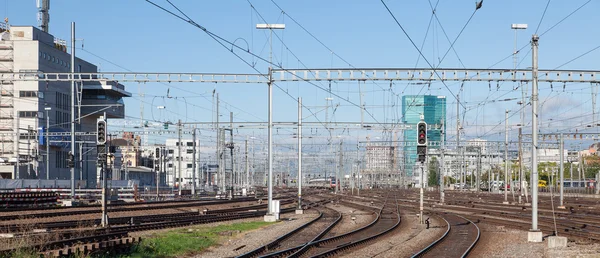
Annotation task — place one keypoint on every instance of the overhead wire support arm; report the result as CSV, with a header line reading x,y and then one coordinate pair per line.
x,y
427,74
136,77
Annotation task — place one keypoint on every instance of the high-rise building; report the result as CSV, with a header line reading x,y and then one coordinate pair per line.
x,y
25,106
433,109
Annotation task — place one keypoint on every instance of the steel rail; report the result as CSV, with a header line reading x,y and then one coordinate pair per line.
x,y
289,251
444,237
363,240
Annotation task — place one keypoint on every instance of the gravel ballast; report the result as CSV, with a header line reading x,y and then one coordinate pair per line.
x,y
251,240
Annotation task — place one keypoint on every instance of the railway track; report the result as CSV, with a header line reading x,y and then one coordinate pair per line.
x,y
387,219
458,240
295,239
118,236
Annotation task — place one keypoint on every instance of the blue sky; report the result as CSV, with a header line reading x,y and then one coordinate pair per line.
x,y
137,36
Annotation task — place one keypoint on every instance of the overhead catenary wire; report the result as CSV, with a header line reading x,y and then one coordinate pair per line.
x,y
220,40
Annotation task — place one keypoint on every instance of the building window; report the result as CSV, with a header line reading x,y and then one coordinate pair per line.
x,y
27,136
190,144
27,94
170,151
28,114
190,165
189,151
177,144
170,165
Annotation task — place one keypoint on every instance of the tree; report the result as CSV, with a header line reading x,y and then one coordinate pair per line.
x,y
433,172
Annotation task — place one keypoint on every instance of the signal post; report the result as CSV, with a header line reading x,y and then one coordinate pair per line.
x,y
422,157
101,136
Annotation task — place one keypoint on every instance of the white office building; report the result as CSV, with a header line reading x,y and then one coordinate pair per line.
x,y
185,158
26,104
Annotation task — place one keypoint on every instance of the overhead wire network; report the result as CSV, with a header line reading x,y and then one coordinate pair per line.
x,y
221,41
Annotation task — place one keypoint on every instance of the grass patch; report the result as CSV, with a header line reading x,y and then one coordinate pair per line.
x,y
188,241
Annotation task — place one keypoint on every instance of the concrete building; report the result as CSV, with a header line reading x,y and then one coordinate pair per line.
x,y
26,49
545,155
173,156
477,144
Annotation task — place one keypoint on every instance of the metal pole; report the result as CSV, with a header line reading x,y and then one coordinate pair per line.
x,y
218,157
231,151
270,146
247,167
179,157
506,181
157,160
358,168
338,182
29,151
421,195
73,106
521,159
194,162
270,130
47,146
534,133
299,153
443,165
458,141
562,169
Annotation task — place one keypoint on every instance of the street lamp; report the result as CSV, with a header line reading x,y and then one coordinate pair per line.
x,y
47,109
270,27
517,27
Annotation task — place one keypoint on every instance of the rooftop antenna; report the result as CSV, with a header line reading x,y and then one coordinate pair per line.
x,y
43,16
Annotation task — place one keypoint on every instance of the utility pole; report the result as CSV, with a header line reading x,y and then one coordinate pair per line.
x,y
460,172
521,159
358,167
47,138
247,184
506,181
193,162
299,134
338,183
72,169
478,183
218,145
535,235
562,170
231,151
179,157
158,156
443,165
29,150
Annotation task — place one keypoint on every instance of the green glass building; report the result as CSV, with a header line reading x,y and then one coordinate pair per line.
x,y
433,108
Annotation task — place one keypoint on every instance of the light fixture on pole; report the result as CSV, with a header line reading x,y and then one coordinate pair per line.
x,y
270,216
47,138
516,27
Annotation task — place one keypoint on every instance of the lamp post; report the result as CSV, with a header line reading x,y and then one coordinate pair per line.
x,y
47,109
270,27
516,27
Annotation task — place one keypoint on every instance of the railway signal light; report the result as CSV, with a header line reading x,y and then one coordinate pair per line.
x,y
70,160
422,141
422,134
101,132
157,151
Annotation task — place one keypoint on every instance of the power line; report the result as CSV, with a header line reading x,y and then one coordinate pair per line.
x,y
541,19
220,40
420,53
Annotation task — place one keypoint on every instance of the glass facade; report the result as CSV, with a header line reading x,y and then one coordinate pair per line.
x,y
433,108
